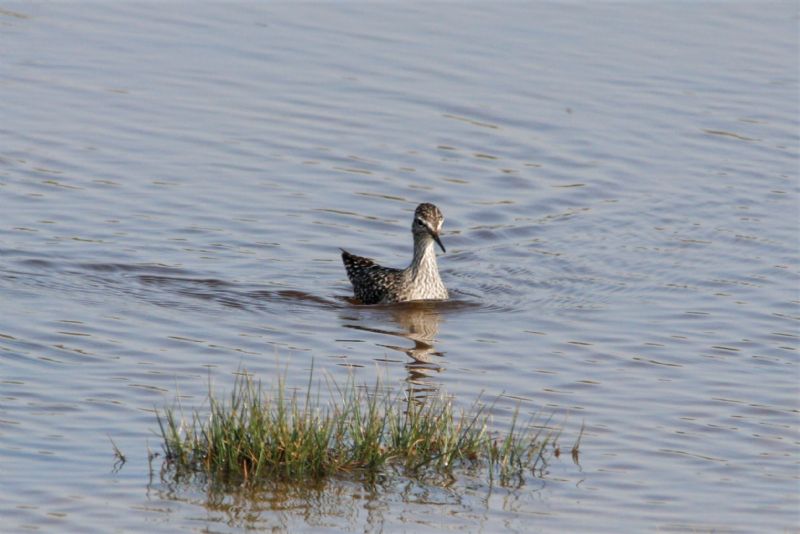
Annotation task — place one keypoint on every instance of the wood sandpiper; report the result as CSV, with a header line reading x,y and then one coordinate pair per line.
x,y
374,284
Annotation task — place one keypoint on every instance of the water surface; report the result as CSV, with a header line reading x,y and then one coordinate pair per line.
x,y
620,190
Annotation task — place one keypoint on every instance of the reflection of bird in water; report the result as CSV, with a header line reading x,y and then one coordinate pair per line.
x,y
374,284
422,324
419,322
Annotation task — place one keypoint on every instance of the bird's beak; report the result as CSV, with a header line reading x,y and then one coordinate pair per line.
x,y
438,241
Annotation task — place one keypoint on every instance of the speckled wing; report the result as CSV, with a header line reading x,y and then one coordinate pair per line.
x,y
370,281
355,265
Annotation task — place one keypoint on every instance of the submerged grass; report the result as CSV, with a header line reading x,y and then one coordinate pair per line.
x,y
361,431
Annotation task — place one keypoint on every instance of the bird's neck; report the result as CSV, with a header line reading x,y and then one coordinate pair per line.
x,y
424,261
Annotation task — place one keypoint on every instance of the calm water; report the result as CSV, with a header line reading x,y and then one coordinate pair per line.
x,y
620,187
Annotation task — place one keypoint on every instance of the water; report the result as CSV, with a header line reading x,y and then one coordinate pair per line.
x,y
620,191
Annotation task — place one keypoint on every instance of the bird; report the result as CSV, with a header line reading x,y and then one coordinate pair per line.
x,y
375,284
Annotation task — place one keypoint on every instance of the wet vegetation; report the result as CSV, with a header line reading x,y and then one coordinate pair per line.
x,y
268,435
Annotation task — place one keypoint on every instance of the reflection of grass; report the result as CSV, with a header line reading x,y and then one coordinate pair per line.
x,y
257,436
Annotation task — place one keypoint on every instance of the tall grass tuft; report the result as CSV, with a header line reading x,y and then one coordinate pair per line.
x,y
363,431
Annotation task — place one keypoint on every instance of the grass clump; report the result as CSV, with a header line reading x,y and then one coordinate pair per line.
x,y
257,435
